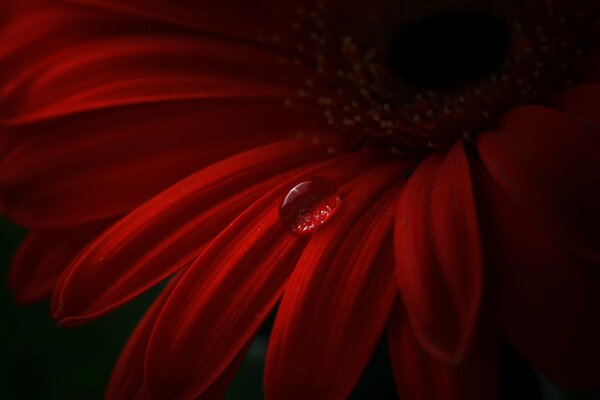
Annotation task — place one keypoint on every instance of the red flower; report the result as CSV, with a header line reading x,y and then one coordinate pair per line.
x,y
143,140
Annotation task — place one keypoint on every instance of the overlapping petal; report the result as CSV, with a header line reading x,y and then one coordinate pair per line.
x,y
545,298
168,232
44,255
127,379
550,166
91,166
231,288
419,376
338,299
438,254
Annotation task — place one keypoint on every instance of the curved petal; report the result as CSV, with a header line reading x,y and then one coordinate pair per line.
x,y
97,165
418,376
438,254
168,231
127,379
144,68
545,299
230,289
338,299
44,255
550,166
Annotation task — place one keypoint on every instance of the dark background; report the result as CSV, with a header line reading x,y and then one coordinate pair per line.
x,y
39,360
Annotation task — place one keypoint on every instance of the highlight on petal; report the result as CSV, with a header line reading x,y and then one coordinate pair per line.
x,y
338,299
231,288
96,165
544,299
44,255
419,376
169,231
438,254
550,166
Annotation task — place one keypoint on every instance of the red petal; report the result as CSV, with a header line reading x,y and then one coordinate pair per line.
x,y
168,232
239,18
44,255
145,69
224,297
581,101
418,376
338,299
97,165
546,301
127,379
438,254
550,166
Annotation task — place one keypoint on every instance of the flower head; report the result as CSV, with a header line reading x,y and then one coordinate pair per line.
x,y
443,162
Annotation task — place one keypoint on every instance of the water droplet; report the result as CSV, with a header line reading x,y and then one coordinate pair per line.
x,y
309,204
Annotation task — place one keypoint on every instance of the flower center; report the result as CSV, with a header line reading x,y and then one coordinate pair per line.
x,y
448,48
416,87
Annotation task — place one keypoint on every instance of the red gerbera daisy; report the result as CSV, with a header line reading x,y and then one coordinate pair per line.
x,y
361,165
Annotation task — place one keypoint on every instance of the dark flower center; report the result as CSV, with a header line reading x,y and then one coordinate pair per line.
x,y
448,48
415,87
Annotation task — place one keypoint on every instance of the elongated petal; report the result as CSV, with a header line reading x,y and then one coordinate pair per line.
x,y
550,166
419,376
101,164
224,297
145,68
338,299
168,232
438,254
44,255
545,299
127,379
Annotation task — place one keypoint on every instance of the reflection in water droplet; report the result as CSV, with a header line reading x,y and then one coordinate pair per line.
x,y
310,204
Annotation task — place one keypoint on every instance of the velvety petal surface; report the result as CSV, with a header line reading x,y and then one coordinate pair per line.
x,y
168,231
419,376
438,254
127,379
338,299
231,288
44,255
550,166
95,165
545,299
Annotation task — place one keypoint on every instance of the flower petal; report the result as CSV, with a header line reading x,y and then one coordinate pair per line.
x,y
237,18
97,165
230,289
419,376
581,101
545,300
144,68
338,299
44,255
438,254
550,166
127,379
168,231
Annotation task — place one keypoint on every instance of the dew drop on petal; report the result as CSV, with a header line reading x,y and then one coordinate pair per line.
x,y
309,204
